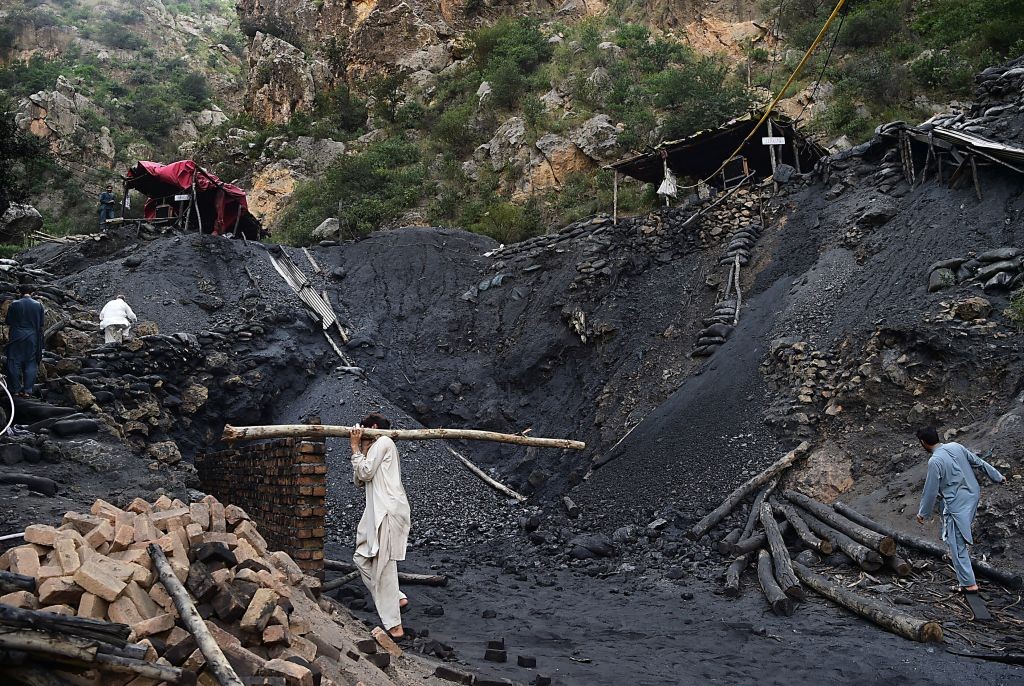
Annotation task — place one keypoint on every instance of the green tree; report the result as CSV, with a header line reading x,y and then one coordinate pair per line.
x,y
22,158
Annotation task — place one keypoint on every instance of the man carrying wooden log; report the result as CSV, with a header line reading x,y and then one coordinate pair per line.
x,y
951,475
383,531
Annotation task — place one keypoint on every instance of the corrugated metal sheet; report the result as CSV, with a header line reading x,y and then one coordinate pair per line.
x,y
298,282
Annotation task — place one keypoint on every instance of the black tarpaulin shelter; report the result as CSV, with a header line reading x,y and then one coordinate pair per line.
x,y
702,154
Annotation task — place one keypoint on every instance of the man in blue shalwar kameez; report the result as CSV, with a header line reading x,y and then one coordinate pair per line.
x,y
951,475
25,341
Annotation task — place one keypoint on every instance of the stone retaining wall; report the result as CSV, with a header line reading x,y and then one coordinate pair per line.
x,y
282,485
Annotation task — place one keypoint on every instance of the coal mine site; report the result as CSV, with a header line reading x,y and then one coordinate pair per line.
x,y
747,371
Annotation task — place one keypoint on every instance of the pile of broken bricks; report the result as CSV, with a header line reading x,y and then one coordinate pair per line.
x,y
101,570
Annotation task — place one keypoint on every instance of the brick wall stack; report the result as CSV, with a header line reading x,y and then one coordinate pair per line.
x,y
282,485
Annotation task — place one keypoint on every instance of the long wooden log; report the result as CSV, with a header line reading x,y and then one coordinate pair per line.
x,y
405,577
760,540
11,582
806,536
49,644
753,517
1012,581
255,433
339,582
152,670
734,498
216,663
782,604
866,558
863,535
780,555
733,573
889,618
83,627
483,476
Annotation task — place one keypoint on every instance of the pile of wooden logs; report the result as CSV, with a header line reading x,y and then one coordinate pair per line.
x,y
818,527
156,592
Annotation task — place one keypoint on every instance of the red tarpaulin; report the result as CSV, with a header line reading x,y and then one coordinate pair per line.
x,y
220,208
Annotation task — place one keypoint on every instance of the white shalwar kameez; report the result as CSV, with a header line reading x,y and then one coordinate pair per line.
x,y
383,532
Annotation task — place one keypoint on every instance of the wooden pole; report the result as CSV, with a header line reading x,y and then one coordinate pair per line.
x,y
339,582
732,574
780,556
889,618
11,582
872,539
756,541
1012,581
866,559
796,152
485,478
808,538
974,175
771,156
739,295
404,577
217,664
741,492
782,604
898,565
317,431
615,198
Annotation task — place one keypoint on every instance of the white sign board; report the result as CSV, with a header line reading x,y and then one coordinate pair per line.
x,y
773,140
181,198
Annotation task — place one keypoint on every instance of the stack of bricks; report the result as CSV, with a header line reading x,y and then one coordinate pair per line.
x,y
97,565
283,485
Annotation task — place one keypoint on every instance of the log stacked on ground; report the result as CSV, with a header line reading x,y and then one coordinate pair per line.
x,y
780,555
885,616
744,489
167,591
863,535
782,604
868,560
981,568
822,545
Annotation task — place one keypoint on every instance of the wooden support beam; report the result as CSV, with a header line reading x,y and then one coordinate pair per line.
x,y
1010,580
615,197
974,175
823,546
780,555
318,431
885,616
216,663
866,559
872,539
782,604
744,489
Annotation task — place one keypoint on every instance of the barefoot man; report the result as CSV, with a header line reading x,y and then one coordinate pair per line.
x,y
951,475
384,529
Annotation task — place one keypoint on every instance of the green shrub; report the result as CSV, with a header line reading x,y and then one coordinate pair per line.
x,y
411,115
698,96
972,26
872,23
345,112
942,69
119,36
363,191
9,250
507,53
508,223
1015,312
194,90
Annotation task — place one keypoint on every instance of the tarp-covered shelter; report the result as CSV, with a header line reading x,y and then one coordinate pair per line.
x,y
700,155
185,193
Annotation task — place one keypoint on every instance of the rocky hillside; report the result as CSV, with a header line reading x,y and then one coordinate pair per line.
x,y
107,83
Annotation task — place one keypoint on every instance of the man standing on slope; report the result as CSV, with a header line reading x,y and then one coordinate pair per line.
x,y
383,532
951,475
116,318
107,202
25,341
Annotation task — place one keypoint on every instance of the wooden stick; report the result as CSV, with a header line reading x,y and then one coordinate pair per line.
x,y
732,574
216,663
11,582
780,555
782,604
756,541
790,514
981,568
725,546
404,577
312,262
887,617
867,559
82,627
898,565
739,295
872,539
48,644
152,670
339,582
615,198
255,433
484,477
719,513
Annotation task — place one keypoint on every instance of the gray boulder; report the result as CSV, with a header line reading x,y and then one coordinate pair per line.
x,y
597,137
941,278
329,228
20,220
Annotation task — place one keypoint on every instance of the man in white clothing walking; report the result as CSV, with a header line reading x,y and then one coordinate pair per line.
x,y
115,320
383,532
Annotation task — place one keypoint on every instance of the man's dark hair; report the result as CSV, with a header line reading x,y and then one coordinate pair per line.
x,y
928,434
375,420
26,289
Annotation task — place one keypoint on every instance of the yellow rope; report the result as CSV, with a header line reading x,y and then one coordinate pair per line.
x,y
771,107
